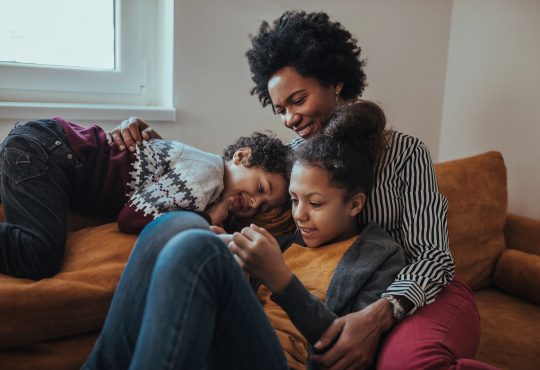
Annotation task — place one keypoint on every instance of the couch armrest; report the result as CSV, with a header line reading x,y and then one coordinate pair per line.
x,y
522,233
518,274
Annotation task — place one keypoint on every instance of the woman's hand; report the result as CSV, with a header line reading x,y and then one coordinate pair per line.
x,y
131,132
259,254
356,336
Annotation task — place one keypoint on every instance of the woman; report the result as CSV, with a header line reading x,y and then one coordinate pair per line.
x,y
304,65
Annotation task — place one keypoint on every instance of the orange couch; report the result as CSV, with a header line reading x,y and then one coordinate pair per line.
x,y
53,323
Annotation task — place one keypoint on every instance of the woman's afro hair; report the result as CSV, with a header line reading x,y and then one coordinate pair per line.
x,y
313,45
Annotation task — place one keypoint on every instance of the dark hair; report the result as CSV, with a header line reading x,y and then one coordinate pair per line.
x,y
349,146
313,45
267,152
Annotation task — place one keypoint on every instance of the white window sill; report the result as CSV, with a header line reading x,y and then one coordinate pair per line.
x,y
90,112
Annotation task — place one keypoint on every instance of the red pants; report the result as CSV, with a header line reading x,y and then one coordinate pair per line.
x,y
442,335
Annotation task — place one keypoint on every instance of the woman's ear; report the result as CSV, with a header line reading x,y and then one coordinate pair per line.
x,y
242,155
357,203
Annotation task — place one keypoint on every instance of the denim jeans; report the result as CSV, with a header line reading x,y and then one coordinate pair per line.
x,y
38,175
183,303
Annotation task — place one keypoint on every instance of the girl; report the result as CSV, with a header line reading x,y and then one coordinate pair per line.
x,y
197,311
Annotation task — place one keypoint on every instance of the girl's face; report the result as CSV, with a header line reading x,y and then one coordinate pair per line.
x,y
321,211
303,103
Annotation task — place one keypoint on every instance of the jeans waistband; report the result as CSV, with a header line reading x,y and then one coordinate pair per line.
x,y
47,132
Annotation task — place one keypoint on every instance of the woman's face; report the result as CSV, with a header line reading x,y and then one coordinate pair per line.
x,y
303,103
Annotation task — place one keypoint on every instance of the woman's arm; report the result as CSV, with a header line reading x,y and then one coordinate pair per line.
x,y
423,232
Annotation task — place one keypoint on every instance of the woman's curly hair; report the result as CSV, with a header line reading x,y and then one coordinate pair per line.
x,y
349,147
313,45
267,152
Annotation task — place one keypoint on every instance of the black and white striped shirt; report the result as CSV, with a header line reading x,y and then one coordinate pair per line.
x,y
405,201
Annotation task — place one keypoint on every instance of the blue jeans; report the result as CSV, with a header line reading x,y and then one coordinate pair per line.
x,y
183,303
38,177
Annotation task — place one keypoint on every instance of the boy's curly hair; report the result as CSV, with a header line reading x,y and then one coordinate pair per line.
x,y
267,152
313,45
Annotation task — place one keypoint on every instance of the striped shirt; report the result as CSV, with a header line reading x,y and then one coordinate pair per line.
x,y
406,202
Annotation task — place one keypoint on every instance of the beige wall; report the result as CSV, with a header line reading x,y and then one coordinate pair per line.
x,y
492,91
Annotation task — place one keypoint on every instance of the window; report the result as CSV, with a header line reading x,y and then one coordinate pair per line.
x,y
85,38
86,52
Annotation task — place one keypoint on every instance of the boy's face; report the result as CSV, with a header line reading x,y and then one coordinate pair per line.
x,y
321,211
254,190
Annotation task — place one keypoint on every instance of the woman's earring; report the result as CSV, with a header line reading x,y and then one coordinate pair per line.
x,y
337,97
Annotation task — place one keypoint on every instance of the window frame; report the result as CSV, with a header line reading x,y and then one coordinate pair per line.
x,y
135,83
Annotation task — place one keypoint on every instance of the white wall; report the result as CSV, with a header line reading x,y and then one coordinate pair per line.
x,y
492,91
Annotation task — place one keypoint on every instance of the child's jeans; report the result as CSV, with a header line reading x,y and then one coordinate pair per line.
x,y
37,176
183,303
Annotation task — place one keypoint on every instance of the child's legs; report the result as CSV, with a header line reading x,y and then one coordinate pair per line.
x,y
201,313
35,175
115,345
442,335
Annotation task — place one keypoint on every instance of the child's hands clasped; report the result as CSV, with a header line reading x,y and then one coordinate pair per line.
x,y
258,253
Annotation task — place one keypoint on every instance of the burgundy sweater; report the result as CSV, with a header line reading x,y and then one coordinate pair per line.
x,y
138,187
105,190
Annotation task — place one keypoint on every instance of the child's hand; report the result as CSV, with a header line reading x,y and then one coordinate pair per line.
x,y
219,210
259,254
218,230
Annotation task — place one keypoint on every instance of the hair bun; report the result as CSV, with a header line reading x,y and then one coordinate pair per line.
x,y
359,125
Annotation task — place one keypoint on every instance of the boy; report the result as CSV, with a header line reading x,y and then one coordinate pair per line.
x,y
50,167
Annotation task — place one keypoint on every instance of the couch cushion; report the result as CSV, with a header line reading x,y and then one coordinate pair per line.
x,y
518,273
510,330
477,204
64,353
74,301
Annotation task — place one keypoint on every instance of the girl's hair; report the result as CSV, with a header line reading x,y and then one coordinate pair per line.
x,y
313,45
349,146
267,152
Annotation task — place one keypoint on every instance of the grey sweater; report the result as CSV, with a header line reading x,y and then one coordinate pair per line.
x,y
364,272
